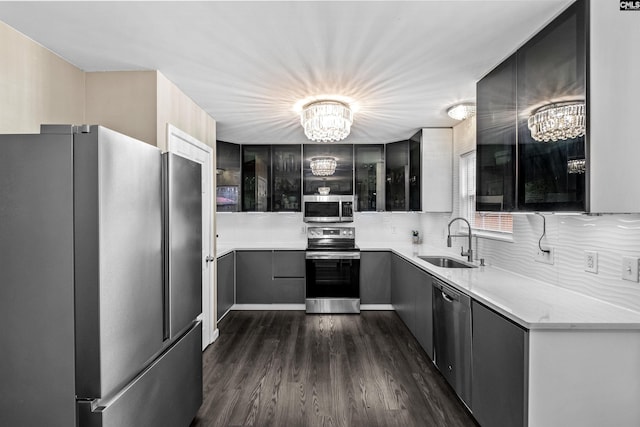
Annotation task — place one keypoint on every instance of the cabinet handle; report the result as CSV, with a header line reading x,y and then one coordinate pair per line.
x,y
446,297
209,258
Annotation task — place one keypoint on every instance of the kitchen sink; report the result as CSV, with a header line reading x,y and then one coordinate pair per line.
x,y
446,262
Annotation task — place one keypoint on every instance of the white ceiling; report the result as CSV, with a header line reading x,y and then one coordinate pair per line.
x,y
247,63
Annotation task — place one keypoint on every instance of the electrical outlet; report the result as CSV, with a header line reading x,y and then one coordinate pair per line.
x,y
545,257
630,268
303,230
591,261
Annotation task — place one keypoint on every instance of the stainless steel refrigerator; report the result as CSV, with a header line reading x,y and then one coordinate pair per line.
x,y
100,281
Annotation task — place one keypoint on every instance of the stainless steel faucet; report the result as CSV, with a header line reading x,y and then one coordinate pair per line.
x,y
469,253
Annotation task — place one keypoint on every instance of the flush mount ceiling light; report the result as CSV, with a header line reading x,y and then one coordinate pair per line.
x,y
323,166
326,120
564,120
462,111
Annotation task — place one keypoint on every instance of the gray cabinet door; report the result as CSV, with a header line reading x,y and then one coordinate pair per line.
x,y
225,283
288,284
500,366
288,264
424,313
253,277
375,277
403,291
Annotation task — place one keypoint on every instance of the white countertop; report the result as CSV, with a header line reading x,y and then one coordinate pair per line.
x,y
531,303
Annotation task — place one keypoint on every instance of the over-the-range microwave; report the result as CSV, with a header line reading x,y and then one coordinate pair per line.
x,y
330,208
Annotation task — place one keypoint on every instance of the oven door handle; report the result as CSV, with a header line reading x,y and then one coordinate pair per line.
x,y
332,255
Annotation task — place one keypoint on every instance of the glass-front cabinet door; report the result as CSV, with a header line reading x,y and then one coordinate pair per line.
x,y
338,180
552,72
256,174
227,177
287,178
496,122
397,176
369,173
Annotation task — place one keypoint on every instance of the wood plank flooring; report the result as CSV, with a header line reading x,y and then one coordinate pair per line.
x,y
286,368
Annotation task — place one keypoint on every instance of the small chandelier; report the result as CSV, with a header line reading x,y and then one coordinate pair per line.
x,y
565,120
323,166
326,121
462,111
576,166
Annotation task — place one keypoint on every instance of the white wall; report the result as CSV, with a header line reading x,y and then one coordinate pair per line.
x,y
612,236
254,228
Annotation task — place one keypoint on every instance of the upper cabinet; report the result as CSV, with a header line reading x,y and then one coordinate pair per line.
x,y
341,181
514,171
437,169
551,69
402,190
613,109
227,177
496,122
271,178
369,174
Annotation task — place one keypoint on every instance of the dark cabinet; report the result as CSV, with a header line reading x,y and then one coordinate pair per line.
x,y
411,297
496,122
253,277
369,176
499,366
375,277
225,284
402,291
270,277
402,189
551,69
341,181
514,172
227,177
271,178
287,178
424,313
256,174
288,285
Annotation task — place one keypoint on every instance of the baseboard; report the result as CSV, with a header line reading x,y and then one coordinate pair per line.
x,y
299,307
215,336
266,307
374,307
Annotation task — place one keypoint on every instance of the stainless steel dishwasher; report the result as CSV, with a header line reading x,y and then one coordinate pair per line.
x,y
452,337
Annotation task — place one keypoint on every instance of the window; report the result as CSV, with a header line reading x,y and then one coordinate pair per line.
x,y
486,221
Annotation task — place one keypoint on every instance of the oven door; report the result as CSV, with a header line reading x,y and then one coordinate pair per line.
x,y
333,282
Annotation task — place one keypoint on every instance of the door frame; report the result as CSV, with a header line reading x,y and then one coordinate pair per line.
x,y
175,140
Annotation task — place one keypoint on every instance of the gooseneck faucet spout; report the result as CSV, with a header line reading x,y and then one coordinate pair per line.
x,y
468,253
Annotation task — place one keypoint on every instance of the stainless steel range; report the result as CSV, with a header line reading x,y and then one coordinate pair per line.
x,y
333,270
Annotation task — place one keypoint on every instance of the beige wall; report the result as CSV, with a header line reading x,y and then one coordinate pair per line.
x,y
36,86
178,109
124,101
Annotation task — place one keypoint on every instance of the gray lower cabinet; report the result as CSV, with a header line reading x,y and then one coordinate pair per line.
x,y
288,285
424,313
225,280
375,277
411,297
403,291
270,277
500,369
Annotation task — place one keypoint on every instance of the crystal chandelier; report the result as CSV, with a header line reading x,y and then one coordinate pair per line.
x,y
576,166
326,121
565,120
323,166
462,111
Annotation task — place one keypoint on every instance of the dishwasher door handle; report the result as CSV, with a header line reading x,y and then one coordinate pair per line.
x,y
446,297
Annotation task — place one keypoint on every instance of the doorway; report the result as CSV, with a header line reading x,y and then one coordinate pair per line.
x,y
185,145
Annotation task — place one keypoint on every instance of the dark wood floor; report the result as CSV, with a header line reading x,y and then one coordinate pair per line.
x,y
285,368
